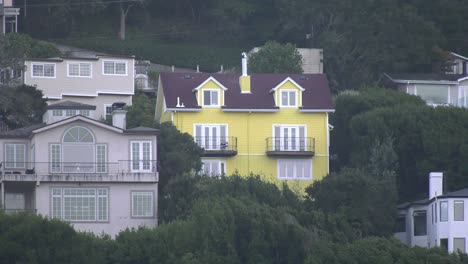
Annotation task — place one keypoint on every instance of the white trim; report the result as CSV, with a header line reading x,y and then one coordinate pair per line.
x,y
328,142
425,82
114,92
278,161
284,81
184,109
317,110
462,79
250,110
141,160
75,118
79,70
105,111
133,205
43,64
115,61
288,92
220,162
218,105
86,95
459,56
211,78
14,144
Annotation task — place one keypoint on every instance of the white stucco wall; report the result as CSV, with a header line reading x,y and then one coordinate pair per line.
x,y
119,206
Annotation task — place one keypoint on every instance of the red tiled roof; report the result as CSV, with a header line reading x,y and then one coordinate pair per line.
x,y
316,96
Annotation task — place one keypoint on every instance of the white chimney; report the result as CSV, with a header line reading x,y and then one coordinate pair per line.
x,y
435,184
119,115
244,64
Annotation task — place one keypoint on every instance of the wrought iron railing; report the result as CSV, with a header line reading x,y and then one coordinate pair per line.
x,y
290,144
47,168
217,143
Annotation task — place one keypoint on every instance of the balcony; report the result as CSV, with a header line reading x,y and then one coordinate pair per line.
x,y
19,211
217,146
121,171
290,146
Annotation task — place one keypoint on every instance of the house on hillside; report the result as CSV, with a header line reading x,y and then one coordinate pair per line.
x,y
101,178
441,220
436,89
8,17
275,125
98,80
457,64
312,59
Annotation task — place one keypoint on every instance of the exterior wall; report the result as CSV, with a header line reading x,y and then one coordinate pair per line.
x,y
210,85
312,60
49,118
100,102
118,145
119,207
98,83
252,129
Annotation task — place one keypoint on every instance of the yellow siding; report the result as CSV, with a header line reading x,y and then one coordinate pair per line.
x,y
288,86
252,130
210,85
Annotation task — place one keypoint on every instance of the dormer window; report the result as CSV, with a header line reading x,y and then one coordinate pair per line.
x,y
288,98
210,98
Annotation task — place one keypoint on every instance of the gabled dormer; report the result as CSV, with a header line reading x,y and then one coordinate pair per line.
x,y
210,94
288,94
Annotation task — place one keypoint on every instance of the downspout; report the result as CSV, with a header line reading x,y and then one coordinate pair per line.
x,y
328,144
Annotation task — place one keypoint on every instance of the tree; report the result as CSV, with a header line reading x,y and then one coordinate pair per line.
x,y
124,8
178,154
274,57
141,112
21,106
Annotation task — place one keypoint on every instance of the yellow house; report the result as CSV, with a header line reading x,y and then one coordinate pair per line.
x,y
275,125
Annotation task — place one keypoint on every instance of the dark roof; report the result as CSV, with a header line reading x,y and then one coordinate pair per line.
x,y
459,193
142,130
23,132
463,193
316,95
425,76
71,105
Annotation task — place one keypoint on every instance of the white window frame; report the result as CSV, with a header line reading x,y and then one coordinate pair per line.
x,y
444,212
103,161
221,166
141,160
280,162
53,162
462,202
43,70
135,193
105,111
72,111
115,61
298,140
85,112
97,198
79,70
15,162
57,112
211,105
288,91
201,139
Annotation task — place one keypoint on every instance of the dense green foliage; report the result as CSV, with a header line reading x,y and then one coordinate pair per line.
x,y
360,40
222,220
21,106
424,138
14,48
178,154
274,57
141,112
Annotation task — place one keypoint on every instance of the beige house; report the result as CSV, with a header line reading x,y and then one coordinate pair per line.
x,y
8,17
98,80
101,178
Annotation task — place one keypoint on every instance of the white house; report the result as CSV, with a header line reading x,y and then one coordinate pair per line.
x,y
98,80
440,220
8,17
101,178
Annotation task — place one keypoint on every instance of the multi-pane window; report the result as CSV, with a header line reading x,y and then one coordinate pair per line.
x,y
115,67
458,210
46,70
70,112
291,138
101,158
55,158
211,98
80,204
79,69
108,111
57,112
84,112
15,156
400,225
419,223
443,211
459,245
212,136
142,204
141,156
288,98
213,167
294,169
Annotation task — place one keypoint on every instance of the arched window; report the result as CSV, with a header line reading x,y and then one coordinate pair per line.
x,y
78,135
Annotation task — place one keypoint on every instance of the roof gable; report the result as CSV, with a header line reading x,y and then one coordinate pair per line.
x,y
288,79
76,118
206,81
